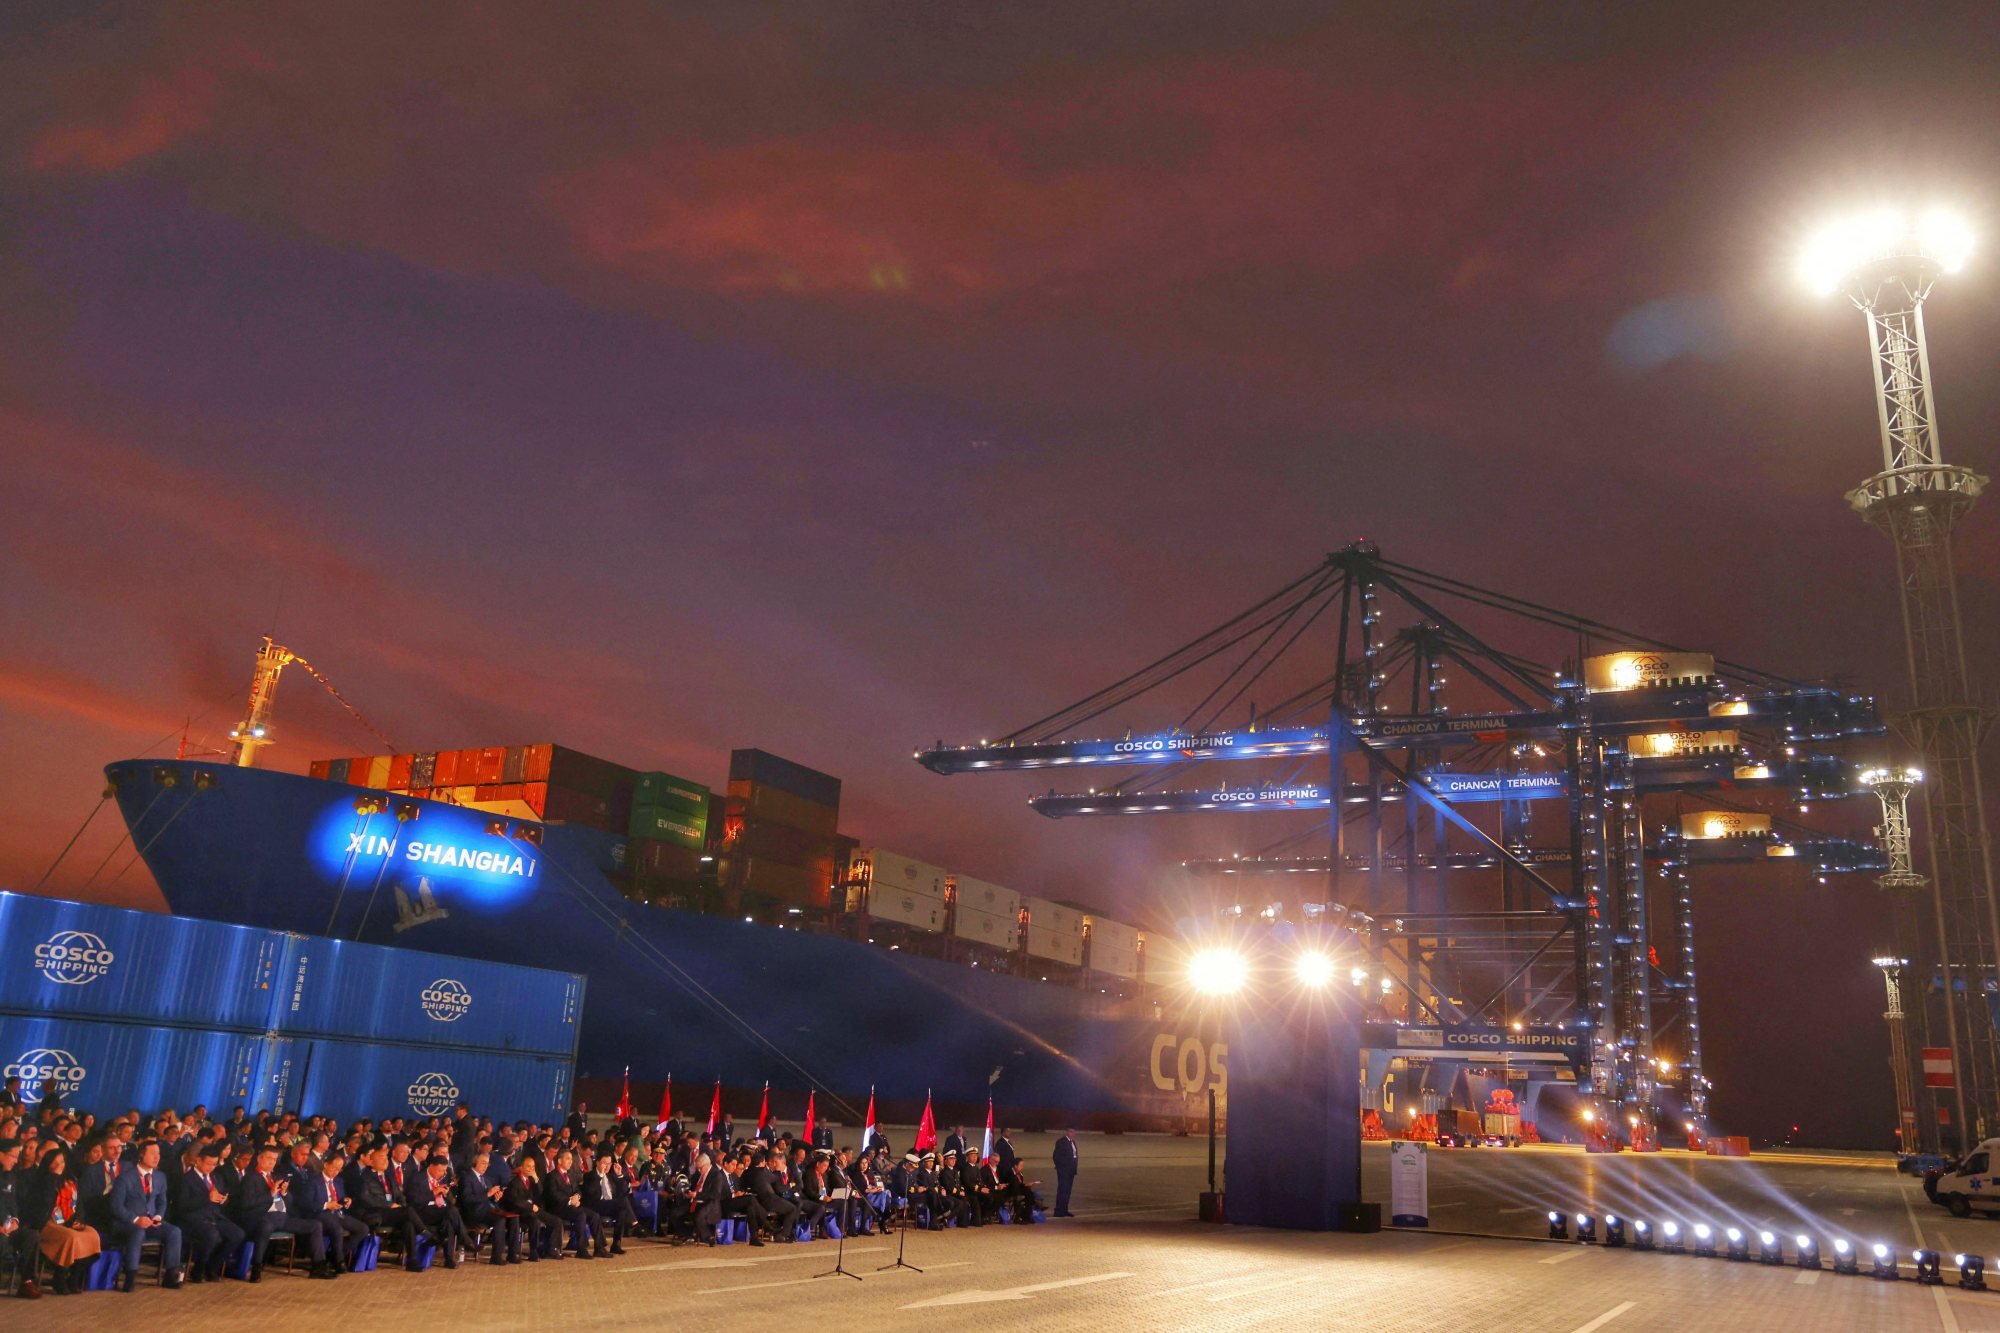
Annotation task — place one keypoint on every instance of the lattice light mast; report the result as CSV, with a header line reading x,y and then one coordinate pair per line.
x,y
1886,262
1899,1051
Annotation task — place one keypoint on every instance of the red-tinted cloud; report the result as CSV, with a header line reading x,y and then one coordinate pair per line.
x,y
160,111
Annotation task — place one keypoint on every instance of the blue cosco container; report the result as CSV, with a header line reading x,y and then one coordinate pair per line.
x,y
340,989
349,1079
108,1067
87,960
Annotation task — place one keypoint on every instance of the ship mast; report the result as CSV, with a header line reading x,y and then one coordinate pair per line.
x,y
254,731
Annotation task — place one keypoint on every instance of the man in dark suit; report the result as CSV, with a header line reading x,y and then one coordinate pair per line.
x,y
210,1233
479,1195
368,1189
954,1142
235,1164
435,1204
320,1197
710,1193
1003,1148
578,1123
139,1215
261,1205
93,1190
765,1183
1065,1171
562,1199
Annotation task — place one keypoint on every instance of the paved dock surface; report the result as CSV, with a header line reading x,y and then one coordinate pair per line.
x,y
1133,1259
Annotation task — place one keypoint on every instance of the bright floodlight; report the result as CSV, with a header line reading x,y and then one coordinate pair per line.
x,y
1314,970
1844,246
1218,971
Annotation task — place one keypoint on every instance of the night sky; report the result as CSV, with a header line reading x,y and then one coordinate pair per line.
x,y
662,379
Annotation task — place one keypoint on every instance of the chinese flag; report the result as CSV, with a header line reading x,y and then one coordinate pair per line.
x,y
715,1108
666,1106
809,1116
625,1097
927,1128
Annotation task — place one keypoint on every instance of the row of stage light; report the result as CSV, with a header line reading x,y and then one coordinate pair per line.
x,y
1701,1241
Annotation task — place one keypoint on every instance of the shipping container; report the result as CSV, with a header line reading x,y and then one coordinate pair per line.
x,y
893,871
1054,945
910,907
378,773
535,762
491,765
107,1066
514,809
400,766
989,928
586,773
980,896
446,769
336,770
1057,918
781,842
91,961
687,827
569,806
419,793
748,800
1114,946
513,763
320,768
486,791
535,795
664,789
464,795
348,1080
768,770
800,886
651,858
423,770
338,988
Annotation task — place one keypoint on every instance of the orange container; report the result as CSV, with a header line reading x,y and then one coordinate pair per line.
x,y
535,762
445,774
488,791
511,791
536,794
420,793
399,771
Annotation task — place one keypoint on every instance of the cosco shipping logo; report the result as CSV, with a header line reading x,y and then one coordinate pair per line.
x,y
73,958
433,1094
446,1000
43,1072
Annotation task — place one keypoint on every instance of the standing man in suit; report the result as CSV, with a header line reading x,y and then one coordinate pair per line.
x,y
139,1214
211,1235
1065,1171
1003,1148
954,1142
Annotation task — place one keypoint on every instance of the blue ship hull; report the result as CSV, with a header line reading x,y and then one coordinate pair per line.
x,y
701,997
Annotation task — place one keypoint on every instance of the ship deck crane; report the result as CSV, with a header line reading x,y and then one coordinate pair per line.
x,y
254,732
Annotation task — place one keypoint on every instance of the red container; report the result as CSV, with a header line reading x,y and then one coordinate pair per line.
x,y
510,791
445,774
420,793
488,791
399,771
536,794
491,765
517,756
320,768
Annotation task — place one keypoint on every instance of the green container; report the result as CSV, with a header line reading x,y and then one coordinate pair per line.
x,y
687,828
667,792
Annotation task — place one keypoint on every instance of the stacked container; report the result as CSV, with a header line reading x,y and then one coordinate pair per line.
x,y
517,781
112,1009
985,913
1055,932
669,828
1114,946
892,887
780,822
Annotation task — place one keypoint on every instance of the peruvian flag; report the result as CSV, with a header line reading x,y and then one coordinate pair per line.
x,y
926,1128
625,1097
764,1115
715,1108
868,1130
666,1106
809,1116
986,1147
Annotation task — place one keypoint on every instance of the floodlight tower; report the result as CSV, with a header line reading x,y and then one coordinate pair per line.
x,y
1885,262
1899,1051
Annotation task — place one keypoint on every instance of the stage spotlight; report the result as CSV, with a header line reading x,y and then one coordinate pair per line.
x,y
1642,1236
1704,1241
1614,1231
1971,1271
1672,1244
1844,1258
1885,1264
1739,1245
1927,1262
1218,971
1586,1229
1808,1251
1558,1226
1770,1250
1314,970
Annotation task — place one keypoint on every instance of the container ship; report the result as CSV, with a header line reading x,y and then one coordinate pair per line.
x,y
732,937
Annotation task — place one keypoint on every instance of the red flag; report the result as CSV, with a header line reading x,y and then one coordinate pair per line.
x,y
715,1108
666,1106
764,1114
927,1128
809,1116
625,1097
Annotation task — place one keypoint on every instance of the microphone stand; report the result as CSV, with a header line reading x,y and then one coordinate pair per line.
x,y
840,1268
902,1239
